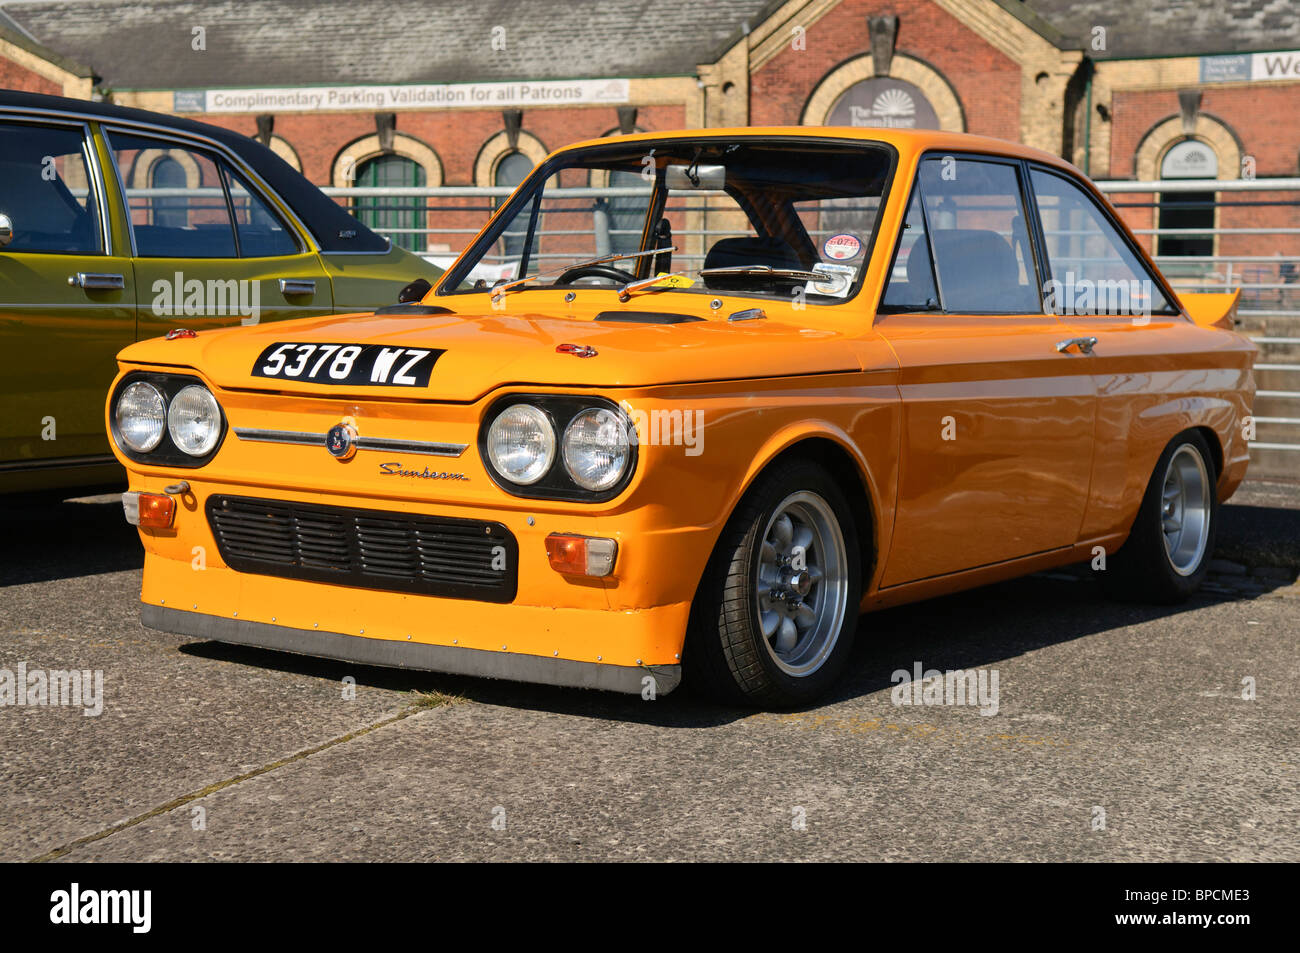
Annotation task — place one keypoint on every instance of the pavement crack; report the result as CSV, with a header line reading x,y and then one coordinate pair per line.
x,y
422,703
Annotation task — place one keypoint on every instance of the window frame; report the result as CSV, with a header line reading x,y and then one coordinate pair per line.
x,y
94,178
229,172
914,195
1027,202
224,166
1139,255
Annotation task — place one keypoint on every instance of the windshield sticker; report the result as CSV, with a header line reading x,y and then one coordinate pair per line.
x,y
839,280
842,247
672,281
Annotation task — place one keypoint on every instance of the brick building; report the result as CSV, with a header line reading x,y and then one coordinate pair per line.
x,y
432,92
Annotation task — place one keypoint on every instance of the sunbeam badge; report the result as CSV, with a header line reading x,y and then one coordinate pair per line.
x,y
341,441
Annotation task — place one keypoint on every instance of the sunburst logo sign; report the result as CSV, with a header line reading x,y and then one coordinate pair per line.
x,y
893,109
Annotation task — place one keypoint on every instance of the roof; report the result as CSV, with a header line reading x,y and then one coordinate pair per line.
x,y
1172,27
9,24
906,141
11,31
334,229
146,44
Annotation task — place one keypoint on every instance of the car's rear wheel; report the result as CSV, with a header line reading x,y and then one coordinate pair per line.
x,y
1169,548
774,617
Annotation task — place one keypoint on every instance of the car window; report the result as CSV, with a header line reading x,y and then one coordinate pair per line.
x,y
744,216
1092,268
570,227
978,236
262,234
47,191
556,228
839,229
911,281
176,197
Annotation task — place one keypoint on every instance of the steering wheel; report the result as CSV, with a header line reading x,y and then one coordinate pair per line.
x,y
594,271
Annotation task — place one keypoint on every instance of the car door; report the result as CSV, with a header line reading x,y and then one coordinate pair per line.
x,y
67,299
1129,333
210,249
997,432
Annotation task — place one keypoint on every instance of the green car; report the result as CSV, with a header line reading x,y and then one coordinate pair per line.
x,y
119,224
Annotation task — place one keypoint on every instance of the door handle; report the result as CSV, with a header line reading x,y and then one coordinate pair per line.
x,y
297,286
1085,345
97,281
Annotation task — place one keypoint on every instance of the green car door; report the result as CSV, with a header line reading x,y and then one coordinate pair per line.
x,y
210,250
67,306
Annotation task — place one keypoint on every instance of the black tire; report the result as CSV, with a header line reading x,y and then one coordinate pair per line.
x,y
1144,569
727,656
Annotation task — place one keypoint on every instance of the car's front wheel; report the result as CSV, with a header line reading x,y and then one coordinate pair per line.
x,y
1172,541
775,614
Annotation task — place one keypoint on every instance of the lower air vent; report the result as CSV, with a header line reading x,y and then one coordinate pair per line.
x,y
369,549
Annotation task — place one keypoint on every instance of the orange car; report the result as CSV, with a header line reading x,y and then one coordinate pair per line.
x,y
727,390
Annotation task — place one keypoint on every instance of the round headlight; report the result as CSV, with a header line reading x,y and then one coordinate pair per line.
x,y
141,416
596,448
194,420
521,444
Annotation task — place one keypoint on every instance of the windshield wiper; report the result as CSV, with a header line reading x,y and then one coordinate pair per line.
x,y
502,289
660,283
653,283
767,271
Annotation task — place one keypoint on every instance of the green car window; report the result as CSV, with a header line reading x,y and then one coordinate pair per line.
x,y
177,199
261,232
46,190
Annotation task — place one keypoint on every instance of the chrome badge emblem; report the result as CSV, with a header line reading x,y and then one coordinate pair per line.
x,y
341,441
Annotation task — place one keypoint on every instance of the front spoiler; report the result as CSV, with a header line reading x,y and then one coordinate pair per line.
x,y
512,666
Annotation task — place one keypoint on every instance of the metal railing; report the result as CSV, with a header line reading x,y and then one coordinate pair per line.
x,y
1269,310
1254,246
1269,279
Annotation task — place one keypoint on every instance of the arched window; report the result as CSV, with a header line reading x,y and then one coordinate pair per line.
x,y
168,211
1187,159
512,169
1207,148
401,219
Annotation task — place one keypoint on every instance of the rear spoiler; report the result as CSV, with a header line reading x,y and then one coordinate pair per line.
x,y
1212,310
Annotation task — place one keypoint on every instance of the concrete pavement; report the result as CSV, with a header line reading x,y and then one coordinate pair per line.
x,y
1121,733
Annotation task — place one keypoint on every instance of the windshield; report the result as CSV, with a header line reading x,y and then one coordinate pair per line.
x,y
770,218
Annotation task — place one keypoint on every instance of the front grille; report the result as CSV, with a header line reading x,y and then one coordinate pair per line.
x,y
370,549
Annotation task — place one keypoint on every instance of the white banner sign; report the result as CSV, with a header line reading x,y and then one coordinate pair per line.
x,y
448,96
1242,67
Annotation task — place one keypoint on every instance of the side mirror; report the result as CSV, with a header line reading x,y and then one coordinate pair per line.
x,y
6,229
413,292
